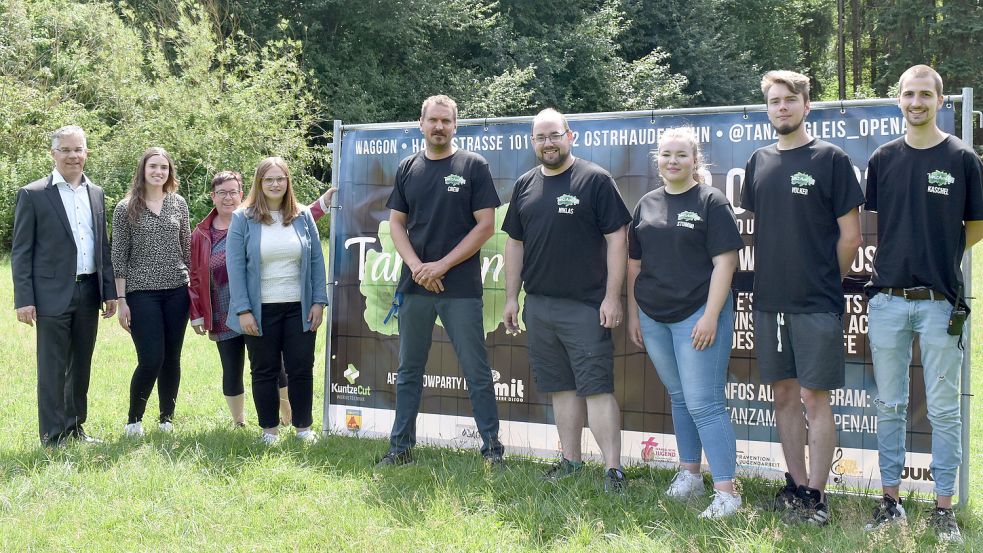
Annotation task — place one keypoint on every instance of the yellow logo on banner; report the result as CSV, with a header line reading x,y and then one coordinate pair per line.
x,y
353,419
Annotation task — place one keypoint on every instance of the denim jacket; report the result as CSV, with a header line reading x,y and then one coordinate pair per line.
x,y
242,258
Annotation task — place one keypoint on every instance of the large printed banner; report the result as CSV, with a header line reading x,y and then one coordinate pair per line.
x,y
364,353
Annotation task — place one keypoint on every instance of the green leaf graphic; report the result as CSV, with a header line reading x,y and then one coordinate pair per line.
x,y
382,274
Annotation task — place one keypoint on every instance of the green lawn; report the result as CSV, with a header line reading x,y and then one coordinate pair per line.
x,y
208,487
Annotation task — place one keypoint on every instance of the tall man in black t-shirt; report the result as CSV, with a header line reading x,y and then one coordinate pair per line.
x,y
805,197
567,242
442,209
927,190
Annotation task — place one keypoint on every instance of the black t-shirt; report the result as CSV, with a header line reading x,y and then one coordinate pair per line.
x,y
439,198
561,221
922,198
676,237
796,196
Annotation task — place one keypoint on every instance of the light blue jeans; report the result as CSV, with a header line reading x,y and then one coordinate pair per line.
x,y
892,323
695,380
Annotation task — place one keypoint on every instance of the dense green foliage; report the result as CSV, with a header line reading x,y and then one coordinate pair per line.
x,y
213,103
222,84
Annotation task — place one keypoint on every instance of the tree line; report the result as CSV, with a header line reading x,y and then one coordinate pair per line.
x,y
222,83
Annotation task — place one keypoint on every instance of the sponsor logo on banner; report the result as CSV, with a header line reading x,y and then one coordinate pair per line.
x,y
939,181
454,182
917,473
567,203
843,466
514,390
353,419
756,461
351,391
652,452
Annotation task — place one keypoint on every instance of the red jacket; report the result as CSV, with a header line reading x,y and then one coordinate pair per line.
x,y
201,249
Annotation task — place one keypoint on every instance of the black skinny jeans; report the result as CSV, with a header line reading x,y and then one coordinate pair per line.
x,y
284,344
158,319
232,353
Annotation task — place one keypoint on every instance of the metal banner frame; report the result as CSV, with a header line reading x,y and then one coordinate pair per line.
x,y
332,412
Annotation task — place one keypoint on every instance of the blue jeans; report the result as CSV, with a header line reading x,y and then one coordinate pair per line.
x,y
695,380
461,318
893,321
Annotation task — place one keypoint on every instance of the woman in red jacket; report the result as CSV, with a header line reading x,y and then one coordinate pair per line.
x,y
209,290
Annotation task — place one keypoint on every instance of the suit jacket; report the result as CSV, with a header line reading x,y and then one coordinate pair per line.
x,y
242,258
43,257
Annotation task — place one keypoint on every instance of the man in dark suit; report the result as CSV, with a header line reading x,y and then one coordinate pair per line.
x,y
62,272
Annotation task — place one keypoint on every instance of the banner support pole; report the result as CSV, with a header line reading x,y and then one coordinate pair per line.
x,y
335,147
964,403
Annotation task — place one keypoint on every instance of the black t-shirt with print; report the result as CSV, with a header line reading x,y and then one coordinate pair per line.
x,y
922,197
676,237
796,196
439,198
561,221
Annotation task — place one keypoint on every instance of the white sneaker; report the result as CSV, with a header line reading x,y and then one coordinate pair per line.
x,y
723,505
686,485
166,427
133,429
270,439
307,436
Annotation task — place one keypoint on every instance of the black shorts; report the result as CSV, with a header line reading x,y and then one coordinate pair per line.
x,y
568,347
804,346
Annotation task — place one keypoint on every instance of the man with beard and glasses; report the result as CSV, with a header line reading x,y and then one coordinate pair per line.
x,y
805,197
927,190
567,227
442,209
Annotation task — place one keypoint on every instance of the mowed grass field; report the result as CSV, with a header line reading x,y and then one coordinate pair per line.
x,y
209,487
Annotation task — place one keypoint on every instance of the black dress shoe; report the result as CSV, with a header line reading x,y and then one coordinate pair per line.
x,y
78,433
57,440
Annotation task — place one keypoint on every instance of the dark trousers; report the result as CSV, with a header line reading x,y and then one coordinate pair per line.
x,y
158,319
461,318
232,353
283,346
65,346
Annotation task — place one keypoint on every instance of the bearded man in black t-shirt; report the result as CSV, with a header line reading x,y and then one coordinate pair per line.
x,y
805,198
927,190
567,242
442,209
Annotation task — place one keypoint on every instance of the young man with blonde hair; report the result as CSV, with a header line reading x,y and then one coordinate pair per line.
x,y
927,190
805,199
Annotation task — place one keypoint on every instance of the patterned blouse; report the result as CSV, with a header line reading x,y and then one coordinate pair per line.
x,y
220,286
154,252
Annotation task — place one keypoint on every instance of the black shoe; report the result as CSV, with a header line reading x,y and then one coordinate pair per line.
x,y
495,453
79,433
888,511
786,499
395,459
563,469
943,521
614,481
55,441
810,508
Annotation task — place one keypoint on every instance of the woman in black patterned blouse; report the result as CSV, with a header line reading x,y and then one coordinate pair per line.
x,y
151,255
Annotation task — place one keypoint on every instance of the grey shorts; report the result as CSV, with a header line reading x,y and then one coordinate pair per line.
x,y
568,348
804,346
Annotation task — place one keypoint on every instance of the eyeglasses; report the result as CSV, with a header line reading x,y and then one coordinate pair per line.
x,y
227,193
553,137
66,151
277,180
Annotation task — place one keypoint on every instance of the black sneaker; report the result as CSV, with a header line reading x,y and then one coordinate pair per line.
x,y
495,454
395,458
786,499
888,511
614,481
563,469
943,521
810,508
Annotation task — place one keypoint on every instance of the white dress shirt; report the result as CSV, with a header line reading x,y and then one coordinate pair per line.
x,y
79,212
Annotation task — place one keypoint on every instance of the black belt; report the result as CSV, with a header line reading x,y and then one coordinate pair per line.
x,y
84,277
918,293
